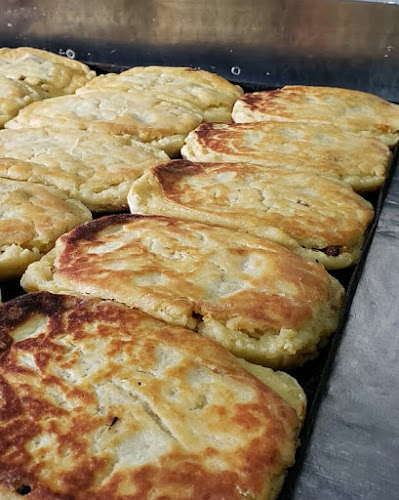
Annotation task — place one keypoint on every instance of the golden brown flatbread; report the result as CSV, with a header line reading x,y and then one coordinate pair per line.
x,y
102,401
352,110
319,218
327,150
258,299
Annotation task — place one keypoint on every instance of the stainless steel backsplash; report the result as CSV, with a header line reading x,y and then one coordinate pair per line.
x,y
273,42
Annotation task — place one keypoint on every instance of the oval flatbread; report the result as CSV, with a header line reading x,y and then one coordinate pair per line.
x,y
258,299
206,93
146,117
325,150
102,401
325,217
352,110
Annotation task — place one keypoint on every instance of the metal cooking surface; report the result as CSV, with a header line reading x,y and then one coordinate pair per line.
x,y
350,439
353,451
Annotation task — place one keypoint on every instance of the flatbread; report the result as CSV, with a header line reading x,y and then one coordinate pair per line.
x,y
146,117
352,110
325,217
258,299
31,219
49,74
360,161
206,93
95,168
101,401
14,96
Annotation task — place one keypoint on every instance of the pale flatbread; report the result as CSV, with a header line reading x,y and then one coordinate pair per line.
x,y
146,117
95,168
356,111
14,96
326,150
50,74
206,93
258,299
32,217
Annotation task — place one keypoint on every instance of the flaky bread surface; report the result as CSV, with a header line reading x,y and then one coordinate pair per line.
x,y
260,300
102,401
328,150
359,112
93,167
50,74
148,118
325,217
206,93
32,217
14,95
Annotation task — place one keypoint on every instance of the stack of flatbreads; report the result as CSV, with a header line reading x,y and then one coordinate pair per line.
x,y
287,171
118,380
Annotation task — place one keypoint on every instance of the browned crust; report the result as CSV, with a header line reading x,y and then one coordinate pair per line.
x,y
320,214
354,110
264,425
89,230
296,145
255,309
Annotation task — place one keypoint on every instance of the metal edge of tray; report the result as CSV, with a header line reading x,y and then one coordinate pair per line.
x,y
353,451
290,490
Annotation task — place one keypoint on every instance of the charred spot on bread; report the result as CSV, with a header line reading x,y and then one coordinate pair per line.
x,y
24,490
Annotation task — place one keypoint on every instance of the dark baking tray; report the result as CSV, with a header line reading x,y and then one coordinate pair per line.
x,y
314,375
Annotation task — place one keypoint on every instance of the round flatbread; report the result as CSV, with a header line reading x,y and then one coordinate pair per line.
x,y
258,299
360,161
352,110
32,217
102,401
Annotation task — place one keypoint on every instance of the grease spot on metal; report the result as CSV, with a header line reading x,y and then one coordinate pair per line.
x,y
70,54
